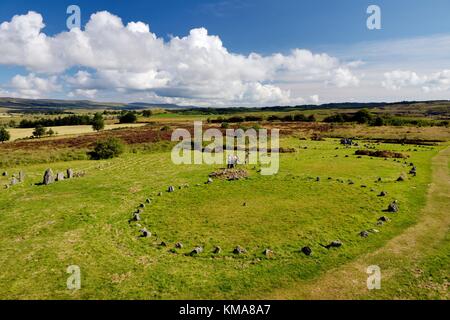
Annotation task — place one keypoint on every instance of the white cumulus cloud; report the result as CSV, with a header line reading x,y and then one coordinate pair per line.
x,y
130,58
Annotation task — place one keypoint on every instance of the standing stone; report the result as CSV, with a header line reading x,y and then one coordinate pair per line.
x,y
137,216
5,174
268,253
239,250
196,251
48,177
364,234
393,207
179,245
21,176
14,181
69,173
171,189
217,250
145,233
59,176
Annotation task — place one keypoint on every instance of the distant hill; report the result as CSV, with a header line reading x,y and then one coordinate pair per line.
x,y
66,106
51,105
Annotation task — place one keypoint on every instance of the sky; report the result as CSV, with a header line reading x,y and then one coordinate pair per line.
x,y
226,53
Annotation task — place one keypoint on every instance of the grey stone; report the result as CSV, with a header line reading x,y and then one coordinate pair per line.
x,y
217,250
179,245
59,176
364,234
145,233
5,174
70,173
239,250
171,189
137,216
196,251
149,201
393,207
384,219
383,194
268,253
307,251
14,181
21,176
48,177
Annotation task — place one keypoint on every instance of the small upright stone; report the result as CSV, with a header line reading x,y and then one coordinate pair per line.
x,y
145,233
59,176
48,177
268,253
171,189
178,245
196,251
5,174
69,173
21,176
393,207
14,181
239,250
364,234
137,216
217,250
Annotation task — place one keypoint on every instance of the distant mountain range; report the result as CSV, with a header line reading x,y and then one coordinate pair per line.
x,y
49,105
67,106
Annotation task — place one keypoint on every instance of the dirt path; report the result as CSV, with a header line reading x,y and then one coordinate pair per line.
x,y
350,281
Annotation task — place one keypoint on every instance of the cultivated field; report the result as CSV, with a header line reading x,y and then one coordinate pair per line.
x,y
19,133
323,192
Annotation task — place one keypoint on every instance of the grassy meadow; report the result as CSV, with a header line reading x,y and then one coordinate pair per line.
x,y
85,222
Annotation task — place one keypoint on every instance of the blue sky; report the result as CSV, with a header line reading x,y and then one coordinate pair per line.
x,y
335,28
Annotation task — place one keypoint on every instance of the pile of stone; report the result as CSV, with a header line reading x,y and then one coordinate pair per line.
x,y
229,174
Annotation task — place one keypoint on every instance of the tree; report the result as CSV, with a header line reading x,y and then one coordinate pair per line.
x,y
128,117
50,132
362,116
378,122
107,149
147,113
39,131
4,135
98,124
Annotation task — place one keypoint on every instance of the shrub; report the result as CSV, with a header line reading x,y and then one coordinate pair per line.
x,y
225,125
4,135
128,117
300,118
107,149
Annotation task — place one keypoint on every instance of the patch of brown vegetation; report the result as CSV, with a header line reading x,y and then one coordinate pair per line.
x,y
127,135
381,154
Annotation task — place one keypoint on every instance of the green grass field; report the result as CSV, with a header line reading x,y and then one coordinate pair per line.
x,y
84,222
